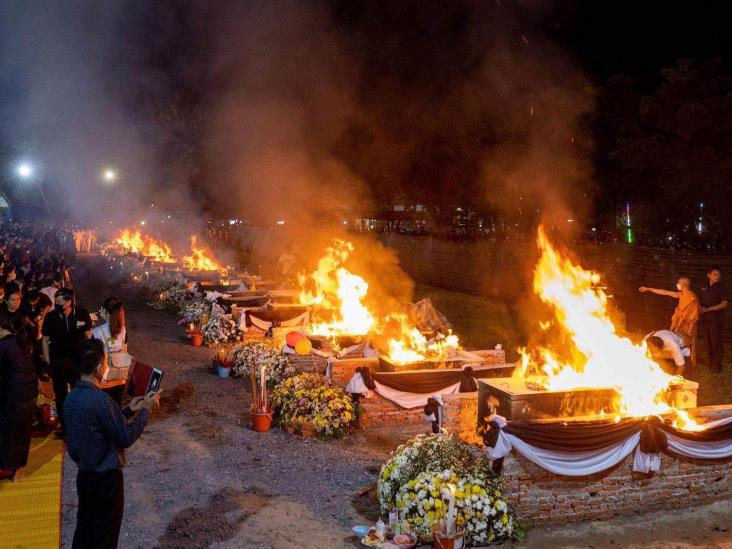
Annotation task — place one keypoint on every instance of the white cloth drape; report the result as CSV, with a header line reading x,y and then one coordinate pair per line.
x,y
357,386
573,464
645,463
213,296
412,400
587,463
699,450
300,320
263,325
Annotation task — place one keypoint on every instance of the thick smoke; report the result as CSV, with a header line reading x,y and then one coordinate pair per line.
x,y
287,91
79,96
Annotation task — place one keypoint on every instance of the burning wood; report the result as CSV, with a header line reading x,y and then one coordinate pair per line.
x,y
336,296
141,244
600,357
410,345
332,286
201,259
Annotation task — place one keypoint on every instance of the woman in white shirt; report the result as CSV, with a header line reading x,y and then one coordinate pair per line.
x,y
113,335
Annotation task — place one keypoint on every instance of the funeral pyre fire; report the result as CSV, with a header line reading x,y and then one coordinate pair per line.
x,y
337,295
409,345
600,357
141,244
333,287
201,259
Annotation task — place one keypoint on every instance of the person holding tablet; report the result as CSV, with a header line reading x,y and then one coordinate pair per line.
x,y
98,432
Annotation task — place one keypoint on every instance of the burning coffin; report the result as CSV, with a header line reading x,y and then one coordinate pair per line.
x,y
517,400
452,360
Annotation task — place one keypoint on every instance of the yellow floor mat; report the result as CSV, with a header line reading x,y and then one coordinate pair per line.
x,y
30,510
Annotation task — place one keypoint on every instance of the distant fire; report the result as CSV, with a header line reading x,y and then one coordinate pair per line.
x,y
600,357
201,259
137,243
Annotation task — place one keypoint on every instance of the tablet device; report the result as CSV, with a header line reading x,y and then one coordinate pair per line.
x,y
156,378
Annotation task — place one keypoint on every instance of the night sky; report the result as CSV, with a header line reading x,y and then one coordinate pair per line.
x,y
638,38
227,103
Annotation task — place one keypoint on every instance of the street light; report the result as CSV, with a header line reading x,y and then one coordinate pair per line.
x,y
109,175
25,170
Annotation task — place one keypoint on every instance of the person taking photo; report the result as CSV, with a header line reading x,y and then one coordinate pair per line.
x,y
98,432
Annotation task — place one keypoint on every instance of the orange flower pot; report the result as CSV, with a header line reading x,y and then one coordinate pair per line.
x,y
197,340
261,423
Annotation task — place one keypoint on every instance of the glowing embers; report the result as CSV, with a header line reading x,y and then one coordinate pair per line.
x,y
589,353
408,346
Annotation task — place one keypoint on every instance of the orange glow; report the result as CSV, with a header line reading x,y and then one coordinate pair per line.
x,y
138,243
332,286
600,357
201,259
410,345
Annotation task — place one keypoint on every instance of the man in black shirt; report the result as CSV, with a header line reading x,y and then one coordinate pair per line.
x,y
713,300
64,329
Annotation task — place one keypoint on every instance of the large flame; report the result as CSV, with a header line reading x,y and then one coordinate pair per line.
x,y
601,358
332,286
138,243
201,259
410,345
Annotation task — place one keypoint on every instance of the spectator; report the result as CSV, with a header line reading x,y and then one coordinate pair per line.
x,y
10,305
50,286
63,330
9,274
713,301
18,391
34,307
98,433
113,335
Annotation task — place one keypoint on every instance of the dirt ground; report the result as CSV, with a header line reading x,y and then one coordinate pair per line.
x,y
200,477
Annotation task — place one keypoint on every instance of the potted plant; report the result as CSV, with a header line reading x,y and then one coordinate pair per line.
x,y
197,332
221,360
261,410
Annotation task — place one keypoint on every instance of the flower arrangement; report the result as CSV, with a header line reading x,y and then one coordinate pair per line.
x,y
309,399
169,293
479,507
417,455
220,328
222,356
250,355
437,486
194,311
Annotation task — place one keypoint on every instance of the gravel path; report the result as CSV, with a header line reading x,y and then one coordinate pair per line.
x,y
200,477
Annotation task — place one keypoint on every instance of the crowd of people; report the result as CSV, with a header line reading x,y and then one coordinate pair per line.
x,y
48,343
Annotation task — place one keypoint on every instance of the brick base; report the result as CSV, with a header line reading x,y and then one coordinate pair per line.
x,y
542,497
308,363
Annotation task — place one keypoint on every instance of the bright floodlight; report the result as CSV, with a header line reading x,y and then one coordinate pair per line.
x,y
109,175
25,170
